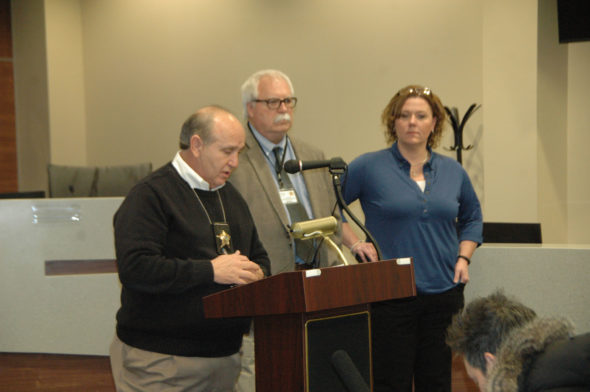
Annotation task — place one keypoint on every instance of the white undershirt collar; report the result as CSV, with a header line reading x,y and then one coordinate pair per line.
x,y
187,173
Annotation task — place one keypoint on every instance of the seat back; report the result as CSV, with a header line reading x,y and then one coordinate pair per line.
x,y
81,181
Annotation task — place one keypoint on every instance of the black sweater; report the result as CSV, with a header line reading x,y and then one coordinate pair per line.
x,y
164,245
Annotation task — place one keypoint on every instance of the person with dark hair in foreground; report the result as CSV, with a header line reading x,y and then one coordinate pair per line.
x,y
180,234
506,348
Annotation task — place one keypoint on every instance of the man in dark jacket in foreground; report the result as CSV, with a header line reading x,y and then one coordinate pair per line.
x,y
506,348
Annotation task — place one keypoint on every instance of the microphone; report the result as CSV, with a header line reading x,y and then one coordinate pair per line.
x,y
348,373
293,166
313,228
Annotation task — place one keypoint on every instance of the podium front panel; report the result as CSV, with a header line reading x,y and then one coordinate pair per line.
x,y
284,306
347,333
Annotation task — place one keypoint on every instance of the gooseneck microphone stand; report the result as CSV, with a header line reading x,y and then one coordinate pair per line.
x,y
337,169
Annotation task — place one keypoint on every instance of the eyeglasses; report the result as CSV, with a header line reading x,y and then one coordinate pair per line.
x,y
415,91
275,103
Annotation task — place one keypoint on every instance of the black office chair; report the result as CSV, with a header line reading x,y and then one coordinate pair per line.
x,y
520,233
79,181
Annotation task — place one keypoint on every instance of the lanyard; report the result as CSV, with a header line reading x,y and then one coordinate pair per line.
x,y
278,165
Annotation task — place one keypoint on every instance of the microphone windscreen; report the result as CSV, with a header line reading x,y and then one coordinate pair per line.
x,y
348,373
292,166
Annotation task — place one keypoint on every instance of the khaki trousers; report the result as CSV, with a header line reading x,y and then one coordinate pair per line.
x,y
144,371
247,380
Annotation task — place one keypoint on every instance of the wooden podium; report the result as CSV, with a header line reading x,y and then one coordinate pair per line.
x,y
288,306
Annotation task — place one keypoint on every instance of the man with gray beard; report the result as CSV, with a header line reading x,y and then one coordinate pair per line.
x,y
275,198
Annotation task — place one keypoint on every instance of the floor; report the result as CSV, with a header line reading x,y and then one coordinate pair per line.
x,y
63,373
74,373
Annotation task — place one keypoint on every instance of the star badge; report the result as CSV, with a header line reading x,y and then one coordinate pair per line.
x,y
224,239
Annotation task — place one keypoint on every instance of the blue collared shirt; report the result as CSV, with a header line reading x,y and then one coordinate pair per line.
x,y
296,179
407,222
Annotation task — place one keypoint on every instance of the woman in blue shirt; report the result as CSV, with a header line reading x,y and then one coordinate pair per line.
x,y
418,204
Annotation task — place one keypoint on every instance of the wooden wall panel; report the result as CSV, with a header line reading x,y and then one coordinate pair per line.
x,y
5,35
8,162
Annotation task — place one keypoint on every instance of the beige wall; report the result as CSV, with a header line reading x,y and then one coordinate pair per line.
x,y
510,110
578,140
552,126
31,96
121,88
155,64
65,69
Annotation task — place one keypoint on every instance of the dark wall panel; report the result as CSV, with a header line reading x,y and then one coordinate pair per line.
x,y
8,162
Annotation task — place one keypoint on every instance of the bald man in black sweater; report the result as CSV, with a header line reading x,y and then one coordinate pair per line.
x,y
182,233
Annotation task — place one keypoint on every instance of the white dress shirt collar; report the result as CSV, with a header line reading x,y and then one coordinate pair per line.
x,y
187,173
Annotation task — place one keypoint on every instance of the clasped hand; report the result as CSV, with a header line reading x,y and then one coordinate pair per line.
x,y
365,251
235,268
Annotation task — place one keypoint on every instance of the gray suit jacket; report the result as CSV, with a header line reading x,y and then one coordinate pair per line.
x,y
255,182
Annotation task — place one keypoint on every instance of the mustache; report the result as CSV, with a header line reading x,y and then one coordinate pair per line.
x,y
282,117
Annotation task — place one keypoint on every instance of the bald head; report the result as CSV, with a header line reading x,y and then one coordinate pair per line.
x,y
211,140
202,123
